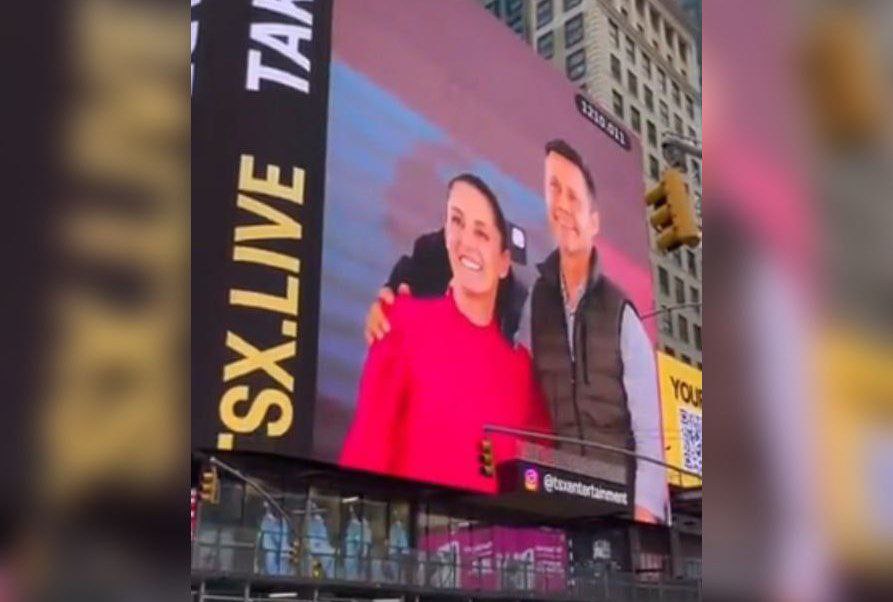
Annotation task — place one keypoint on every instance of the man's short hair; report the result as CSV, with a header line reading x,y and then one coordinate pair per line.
x,y
561,147
481,186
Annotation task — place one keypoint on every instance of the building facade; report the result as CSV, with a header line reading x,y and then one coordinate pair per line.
x,y
693,10
639,59
514,13
336,535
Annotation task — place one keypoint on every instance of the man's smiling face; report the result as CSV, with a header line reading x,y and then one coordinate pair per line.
x,y
570,210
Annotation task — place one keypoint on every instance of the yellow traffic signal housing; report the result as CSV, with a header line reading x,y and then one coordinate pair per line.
x,y
674,216
488,467
210,486
846,78
294,553
316,570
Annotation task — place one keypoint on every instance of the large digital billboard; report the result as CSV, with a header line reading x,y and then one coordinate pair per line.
x,y
681,393
407,226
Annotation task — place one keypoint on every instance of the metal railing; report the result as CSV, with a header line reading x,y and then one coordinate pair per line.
x,y
416,570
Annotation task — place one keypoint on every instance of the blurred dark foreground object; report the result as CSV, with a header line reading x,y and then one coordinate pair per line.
x,y
95,463
798,136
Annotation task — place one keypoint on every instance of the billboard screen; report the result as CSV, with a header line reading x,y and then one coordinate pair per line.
x,y
681,393
341,148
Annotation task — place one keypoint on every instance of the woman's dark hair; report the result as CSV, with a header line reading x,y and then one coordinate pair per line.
x,y
481,186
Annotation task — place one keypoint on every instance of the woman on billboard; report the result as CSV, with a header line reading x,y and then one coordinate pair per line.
x,y
445,370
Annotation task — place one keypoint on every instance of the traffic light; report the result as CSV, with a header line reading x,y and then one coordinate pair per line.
x,y
316,570
846,78
210,486
673,216
294,553
488,467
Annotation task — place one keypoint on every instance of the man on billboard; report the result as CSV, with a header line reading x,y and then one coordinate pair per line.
x,y
593,358
445,370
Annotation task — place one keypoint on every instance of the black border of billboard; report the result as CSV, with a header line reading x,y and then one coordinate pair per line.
x,y
256,246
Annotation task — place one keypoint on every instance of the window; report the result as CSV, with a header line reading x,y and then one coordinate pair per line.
x,y
695,296
682,323
655,18
686,359
652,134
670,351
576,64
545,45
515,16
680,290
692,264
689,107
677,99
635,119
625,13
683,51
653,168
614,33
677,124
615,68
697,330
640,7
516,23
573,31
618,104
632,83
543,12
649,98
666,321
662,80
493,7
630,50
691,133
569,4
646,65
696,170
677,258
663,277
669,34
664,114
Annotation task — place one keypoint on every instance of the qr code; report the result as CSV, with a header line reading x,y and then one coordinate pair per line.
x,y
691,440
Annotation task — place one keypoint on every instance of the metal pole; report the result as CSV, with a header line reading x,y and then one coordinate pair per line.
x,y
490,428
249,481
668,309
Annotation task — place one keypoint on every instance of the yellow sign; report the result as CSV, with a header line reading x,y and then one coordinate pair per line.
x,y
854,444
681,396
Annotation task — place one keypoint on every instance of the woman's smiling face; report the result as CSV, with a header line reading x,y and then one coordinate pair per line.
x,y
474,242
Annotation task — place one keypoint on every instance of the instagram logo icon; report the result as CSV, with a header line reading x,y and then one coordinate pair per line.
x,y
531,479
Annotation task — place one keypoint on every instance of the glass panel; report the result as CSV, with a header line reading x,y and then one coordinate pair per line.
x,y
357,539
398,567
322,530
375,536
224,542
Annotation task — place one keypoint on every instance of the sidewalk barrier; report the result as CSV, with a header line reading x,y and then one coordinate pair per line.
x,y
221,554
